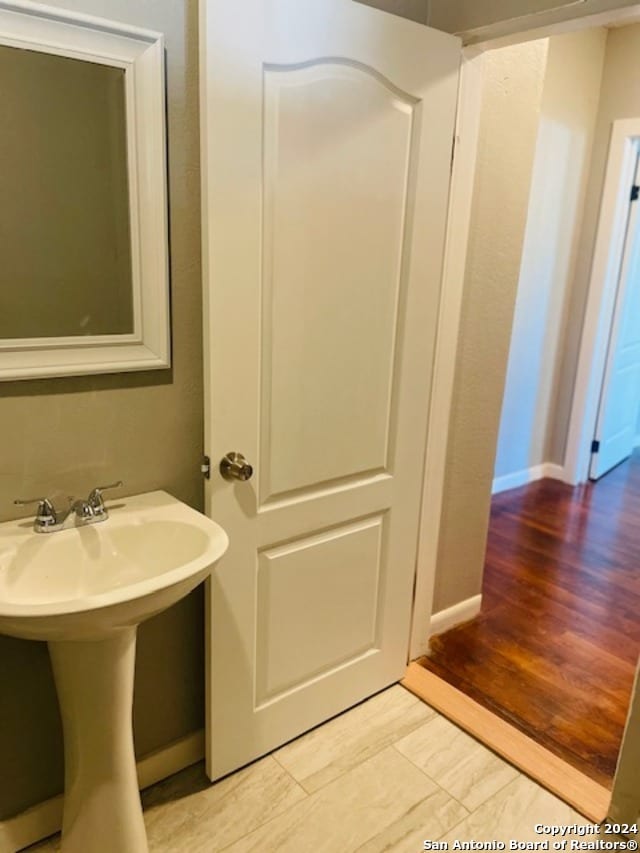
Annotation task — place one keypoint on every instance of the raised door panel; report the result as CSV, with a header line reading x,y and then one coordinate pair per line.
x,y
337,174
317,605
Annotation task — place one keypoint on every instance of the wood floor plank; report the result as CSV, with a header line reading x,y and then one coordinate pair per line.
x,y
554,650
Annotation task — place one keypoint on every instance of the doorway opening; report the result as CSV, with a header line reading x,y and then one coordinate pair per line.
x,y
557,577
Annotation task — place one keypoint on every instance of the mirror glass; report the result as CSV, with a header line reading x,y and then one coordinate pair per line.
x,y
65,233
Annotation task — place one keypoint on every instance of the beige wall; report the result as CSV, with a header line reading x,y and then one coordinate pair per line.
x,y
417,10
511,98
460,15
556,204
144,428
619,98
625,797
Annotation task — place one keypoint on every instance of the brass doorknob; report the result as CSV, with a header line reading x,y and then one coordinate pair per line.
x,y
233,466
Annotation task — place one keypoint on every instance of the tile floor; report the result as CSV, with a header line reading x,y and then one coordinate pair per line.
x,y
384,776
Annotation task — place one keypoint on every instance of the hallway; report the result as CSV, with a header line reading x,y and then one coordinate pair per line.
x,y
555,646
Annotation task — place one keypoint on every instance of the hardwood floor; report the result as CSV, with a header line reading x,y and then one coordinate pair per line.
x,y
555,647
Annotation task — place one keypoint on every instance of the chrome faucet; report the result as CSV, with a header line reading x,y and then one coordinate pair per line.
x,y
48,519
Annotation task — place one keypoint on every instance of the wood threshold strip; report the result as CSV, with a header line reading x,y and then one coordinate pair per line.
x,y
583,794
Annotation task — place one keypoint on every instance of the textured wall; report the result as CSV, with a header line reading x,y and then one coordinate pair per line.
x,y
619,98
556,205
144,428
512,92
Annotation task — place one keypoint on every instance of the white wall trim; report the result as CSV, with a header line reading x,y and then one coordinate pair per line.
x,y
45,818
461,612
455,255
529,475
556,472
517,479
601,300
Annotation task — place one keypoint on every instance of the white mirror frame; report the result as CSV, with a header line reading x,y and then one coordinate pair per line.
x,y
141,54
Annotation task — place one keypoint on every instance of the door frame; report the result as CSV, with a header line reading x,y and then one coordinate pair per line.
x,y
447,337
601,301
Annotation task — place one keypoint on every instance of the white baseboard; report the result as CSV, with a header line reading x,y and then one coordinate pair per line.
x,y
529,475
452,616
45,819
556,472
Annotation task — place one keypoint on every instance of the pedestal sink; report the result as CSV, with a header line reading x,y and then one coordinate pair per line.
x,y
85,590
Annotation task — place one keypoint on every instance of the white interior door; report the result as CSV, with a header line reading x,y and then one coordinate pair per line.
x,y
617,423
327,137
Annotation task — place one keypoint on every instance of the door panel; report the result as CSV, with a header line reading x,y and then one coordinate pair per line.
x,y
337,157
616,428
327,131
303,627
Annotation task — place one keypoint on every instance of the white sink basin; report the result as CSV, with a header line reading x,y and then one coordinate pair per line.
x,y
82,583
85,590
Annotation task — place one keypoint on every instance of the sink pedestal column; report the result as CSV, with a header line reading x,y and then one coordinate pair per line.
x,y
94,680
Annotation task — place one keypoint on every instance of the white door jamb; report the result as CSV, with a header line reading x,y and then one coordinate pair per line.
x,y
455,254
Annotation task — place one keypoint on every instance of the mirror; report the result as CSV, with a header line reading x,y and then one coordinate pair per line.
x,y
63,165
83,221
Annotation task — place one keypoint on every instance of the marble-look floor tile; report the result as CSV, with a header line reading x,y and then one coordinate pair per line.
x,y
210,817
347,813
172,802
186,812
512,814
319,757
184,785
430,818
375,770
465,768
